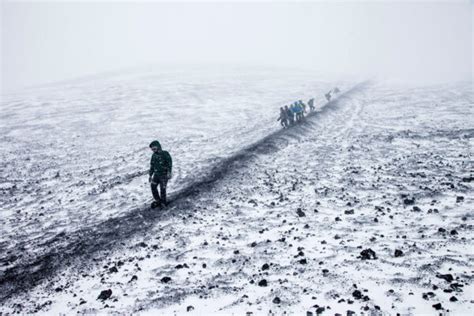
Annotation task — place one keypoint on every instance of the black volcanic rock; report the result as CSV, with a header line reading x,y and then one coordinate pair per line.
x,y
447,277
265,266
438,306
105,294
398,253
427,296
357,294
165,279
300,213
276,300
262,282
368,254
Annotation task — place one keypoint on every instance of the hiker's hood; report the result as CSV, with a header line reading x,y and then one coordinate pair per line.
x,y
155,143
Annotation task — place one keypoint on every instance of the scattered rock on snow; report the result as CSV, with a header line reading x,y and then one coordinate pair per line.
x,y
447,277
105,294
300,212
438,306
467,179
427,296
276,300
409,201
357,294
398,253
368,254
262,282
181,266
165,279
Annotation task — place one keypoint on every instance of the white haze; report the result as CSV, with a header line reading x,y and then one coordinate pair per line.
x,y
44,42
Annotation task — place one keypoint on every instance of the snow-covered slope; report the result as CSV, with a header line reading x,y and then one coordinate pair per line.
x,y
367,206
75,155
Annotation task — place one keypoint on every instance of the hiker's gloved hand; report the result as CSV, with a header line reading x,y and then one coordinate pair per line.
x,y
169,175
150,179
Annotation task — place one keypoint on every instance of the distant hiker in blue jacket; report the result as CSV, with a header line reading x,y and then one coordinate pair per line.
x,y
159,173
299,111
294,111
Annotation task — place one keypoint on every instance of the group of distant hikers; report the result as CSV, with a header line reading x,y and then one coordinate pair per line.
x,y
295,113
161,163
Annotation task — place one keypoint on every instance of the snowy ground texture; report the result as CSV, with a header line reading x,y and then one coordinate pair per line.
x,y
365,208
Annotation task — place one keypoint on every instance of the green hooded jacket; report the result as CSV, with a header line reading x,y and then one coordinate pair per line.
x,y
161,162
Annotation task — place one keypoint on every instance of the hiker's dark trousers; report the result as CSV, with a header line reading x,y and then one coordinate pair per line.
x,y
162,181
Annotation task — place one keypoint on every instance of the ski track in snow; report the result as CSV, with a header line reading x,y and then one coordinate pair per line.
x,y
380,168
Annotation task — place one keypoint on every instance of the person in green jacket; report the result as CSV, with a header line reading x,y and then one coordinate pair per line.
x,y
160,172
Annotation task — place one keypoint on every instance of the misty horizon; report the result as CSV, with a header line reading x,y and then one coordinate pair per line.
x,y
44,42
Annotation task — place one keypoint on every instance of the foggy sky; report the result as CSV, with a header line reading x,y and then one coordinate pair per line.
x,y
43,42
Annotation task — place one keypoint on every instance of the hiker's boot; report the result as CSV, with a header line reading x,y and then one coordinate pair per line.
x,y
155,204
